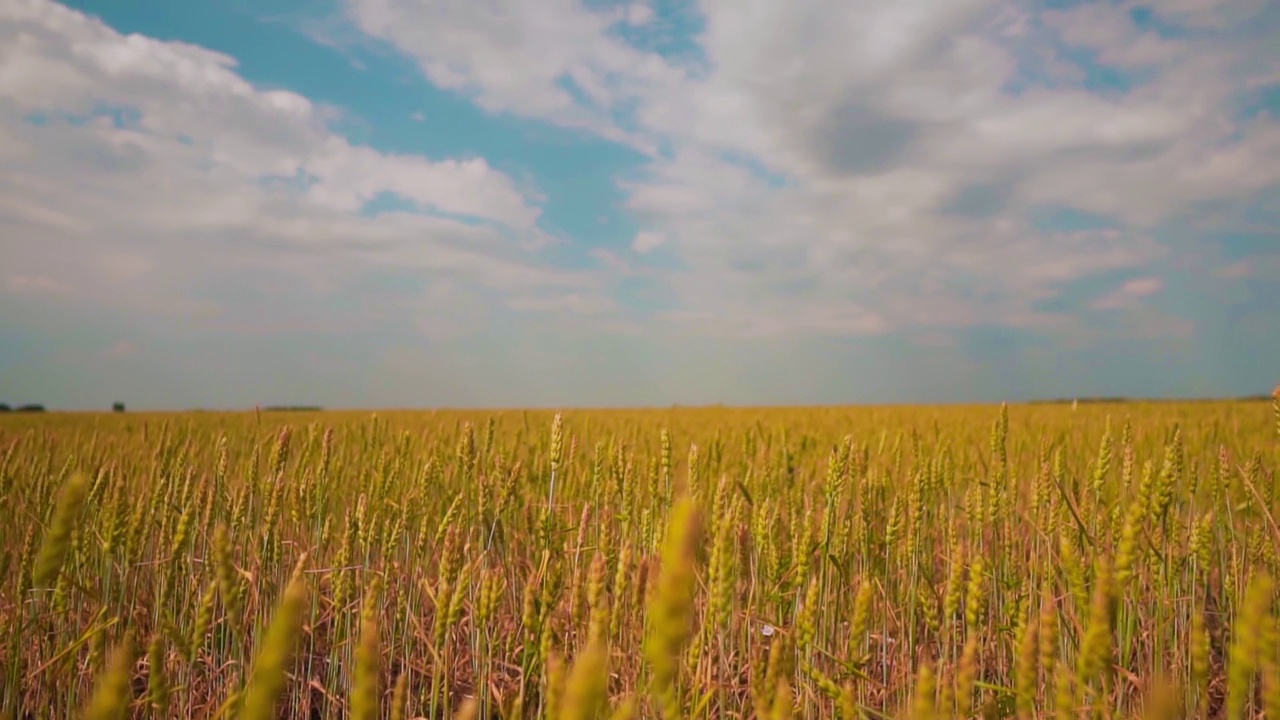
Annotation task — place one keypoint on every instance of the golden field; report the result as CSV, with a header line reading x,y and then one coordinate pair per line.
x,y
1114,560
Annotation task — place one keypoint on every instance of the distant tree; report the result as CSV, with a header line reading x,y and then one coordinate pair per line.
x,y
117,407
32,408
4,408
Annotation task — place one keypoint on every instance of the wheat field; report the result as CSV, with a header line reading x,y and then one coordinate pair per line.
x,y
1110,560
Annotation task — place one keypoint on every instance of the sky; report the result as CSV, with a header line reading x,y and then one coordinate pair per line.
x,y
565,203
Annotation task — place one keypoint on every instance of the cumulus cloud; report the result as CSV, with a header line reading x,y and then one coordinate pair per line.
x,y
1129,293
551,60
1265,266
150,175
36,285
646,242
639,13
869,167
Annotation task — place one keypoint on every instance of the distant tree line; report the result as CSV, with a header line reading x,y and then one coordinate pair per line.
x,y
292,408
31,408
1117,400
38,408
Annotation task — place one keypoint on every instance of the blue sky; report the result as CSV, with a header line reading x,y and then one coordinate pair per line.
x,y
374,203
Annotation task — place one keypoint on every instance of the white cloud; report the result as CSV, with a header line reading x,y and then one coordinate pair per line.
x,y
873,166
1238,269
1208,13
36,285
574,303
61,62
639,13
191,174
1129,293
551,60
647,241
1265,266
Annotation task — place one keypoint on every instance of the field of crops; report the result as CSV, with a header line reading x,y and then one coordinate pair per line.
x,y
1034,561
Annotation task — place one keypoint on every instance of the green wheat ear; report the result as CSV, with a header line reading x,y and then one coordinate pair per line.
x,y
671,612
586,695
111,695
1246,647
57,541
1275,407
268,676
366,695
